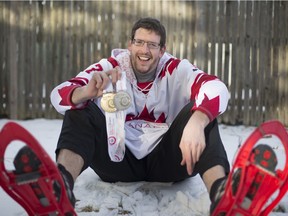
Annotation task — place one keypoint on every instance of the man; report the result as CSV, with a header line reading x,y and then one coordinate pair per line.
x,y
171,132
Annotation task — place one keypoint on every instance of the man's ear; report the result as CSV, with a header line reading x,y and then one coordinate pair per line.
x,y
129,45
163,50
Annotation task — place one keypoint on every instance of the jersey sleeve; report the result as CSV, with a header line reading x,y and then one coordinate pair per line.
x,y
61,95
210,94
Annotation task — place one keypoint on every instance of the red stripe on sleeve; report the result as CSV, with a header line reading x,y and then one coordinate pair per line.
x,y
65,94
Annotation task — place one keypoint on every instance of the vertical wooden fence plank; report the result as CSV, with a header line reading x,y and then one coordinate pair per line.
x,y
223,52
31,69
122,31
102,30
201,26
247,62
24,71
190,25
47,55
212,34
91,28
13,60
226,38
82,35
254,58
169,28
234,80
132,16
273,57
269,80
157,7
178,29
4,37
21,71
2,59
282,62
227,57
285,66
220,39
262,64
35,59
186,31
165,20
239,62
85,35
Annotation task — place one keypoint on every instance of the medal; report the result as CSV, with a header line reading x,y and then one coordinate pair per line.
x,y
107,102
115,100
122,100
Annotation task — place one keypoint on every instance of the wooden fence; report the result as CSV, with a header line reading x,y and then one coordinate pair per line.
x,y
245,43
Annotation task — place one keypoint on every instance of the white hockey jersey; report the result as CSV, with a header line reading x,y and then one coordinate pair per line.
x,y
154,105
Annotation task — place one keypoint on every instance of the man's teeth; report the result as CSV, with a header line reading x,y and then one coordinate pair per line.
x,y
144,58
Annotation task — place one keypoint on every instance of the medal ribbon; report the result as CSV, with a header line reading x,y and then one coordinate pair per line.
x,y
115,125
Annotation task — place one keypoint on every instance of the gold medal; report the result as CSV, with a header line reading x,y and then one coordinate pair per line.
x,y
107,102
122,100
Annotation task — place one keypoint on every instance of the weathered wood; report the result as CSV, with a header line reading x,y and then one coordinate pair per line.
x,y
12,61
244,43
4,79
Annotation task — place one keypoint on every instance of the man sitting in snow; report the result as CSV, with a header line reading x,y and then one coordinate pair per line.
x,y
171,131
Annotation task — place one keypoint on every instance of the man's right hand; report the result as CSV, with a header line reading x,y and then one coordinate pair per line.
x,y
96,85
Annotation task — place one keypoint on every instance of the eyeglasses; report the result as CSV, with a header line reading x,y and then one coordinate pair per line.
x,y
151,45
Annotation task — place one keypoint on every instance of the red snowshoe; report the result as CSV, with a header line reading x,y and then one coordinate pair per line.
x,y
35,183
254,177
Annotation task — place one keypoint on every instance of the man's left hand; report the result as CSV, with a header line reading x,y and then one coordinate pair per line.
x,y
193,143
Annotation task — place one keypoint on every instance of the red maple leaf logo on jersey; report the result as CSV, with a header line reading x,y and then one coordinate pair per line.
x,y
210,105
145,115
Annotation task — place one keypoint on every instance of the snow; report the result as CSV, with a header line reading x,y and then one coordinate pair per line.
x,y
140,198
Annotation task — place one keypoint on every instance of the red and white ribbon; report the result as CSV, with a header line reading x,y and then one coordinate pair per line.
x,y
115,124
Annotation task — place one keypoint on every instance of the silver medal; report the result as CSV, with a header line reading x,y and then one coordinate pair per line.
x,y
122,100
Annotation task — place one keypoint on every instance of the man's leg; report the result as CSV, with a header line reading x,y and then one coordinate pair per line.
x,y
164,161
80,132
213,174
83,143
71,161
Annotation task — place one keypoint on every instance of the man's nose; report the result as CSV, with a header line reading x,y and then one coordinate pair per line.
x,y
145,47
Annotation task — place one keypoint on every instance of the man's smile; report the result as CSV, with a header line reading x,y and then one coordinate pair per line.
x,y
144,58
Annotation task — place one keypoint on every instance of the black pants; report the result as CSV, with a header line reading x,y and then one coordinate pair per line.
x,y
84,132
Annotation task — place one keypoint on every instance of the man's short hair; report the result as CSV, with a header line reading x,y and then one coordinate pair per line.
x,y
151,24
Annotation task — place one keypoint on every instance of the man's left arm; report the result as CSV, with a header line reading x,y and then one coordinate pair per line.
x,y
210,96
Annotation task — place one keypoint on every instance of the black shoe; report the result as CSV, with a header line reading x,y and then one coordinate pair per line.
x,y
26,161
69,183
216,192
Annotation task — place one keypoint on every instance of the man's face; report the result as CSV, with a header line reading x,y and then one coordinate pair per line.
x,y
145,57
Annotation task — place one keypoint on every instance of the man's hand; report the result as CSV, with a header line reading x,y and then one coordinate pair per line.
x,y
96,85
193,143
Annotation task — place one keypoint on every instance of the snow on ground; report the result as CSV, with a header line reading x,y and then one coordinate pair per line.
x,y
134,199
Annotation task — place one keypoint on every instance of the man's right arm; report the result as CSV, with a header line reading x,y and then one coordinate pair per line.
x,y
61,95
95,86
75,93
